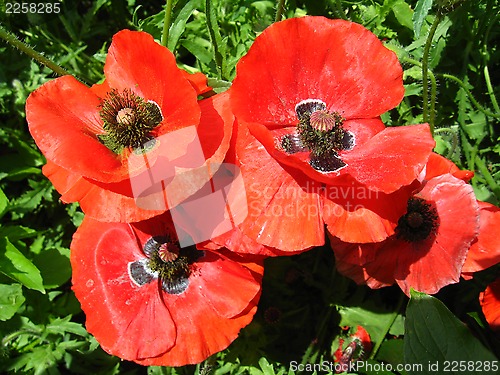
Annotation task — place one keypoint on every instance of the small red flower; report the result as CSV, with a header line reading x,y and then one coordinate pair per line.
x,y
490,303
148,300
312,118
430,243
100,142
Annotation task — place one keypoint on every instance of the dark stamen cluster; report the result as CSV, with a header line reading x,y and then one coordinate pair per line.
x,y
321,133
420,221
165,262
128,120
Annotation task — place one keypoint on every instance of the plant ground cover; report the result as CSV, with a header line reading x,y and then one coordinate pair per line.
x,y
451,63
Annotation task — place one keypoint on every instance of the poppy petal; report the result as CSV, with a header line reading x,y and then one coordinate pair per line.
x,y
485,251
135,61
435,264
281,203
490,304
337,61
357,214
63,120
103,202
128,320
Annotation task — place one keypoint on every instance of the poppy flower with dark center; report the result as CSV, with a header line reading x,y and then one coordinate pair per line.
x,y
148,300
430,243
322,85
490,304
309,129
102,142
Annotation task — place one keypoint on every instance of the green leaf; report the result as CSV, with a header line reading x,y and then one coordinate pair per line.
x,y
54,267
16,266
179,25
434,335
4,202
421,10
11,298
403,14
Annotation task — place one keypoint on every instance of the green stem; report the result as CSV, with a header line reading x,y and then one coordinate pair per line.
x,y
338,10
279,10
471,97
432,78
386,331
491,93
215,37
487,176
23,47
425,74
454,140
166,23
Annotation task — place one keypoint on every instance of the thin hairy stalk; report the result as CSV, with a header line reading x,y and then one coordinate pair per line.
x,y
166,23
214,36
432,78
23,47
491,93
425,74
337,9
471,97
481,166
279,10
454,140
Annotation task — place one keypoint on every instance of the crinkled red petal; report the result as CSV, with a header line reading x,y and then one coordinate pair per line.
x,y
490,304
336,61
485,251
281,203
128,320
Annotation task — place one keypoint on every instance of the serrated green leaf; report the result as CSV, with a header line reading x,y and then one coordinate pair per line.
x,y
421,10
434,335
11,298
16,266
16,232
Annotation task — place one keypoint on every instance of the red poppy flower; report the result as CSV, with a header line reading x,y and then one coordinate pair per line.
x,y
430,243
319,87
101,142
148,300
322,85
490,303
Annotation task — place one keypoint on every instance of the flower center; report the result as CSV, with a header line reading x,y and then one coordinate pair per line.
x,y
420,221
166,262
321,133
128,120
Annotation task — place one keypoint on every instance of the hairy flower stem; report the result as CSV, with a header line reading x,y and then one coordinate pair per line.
x,y
166,23
428,116
471,97
215,37
337,9
490,89
279,10
431,77
23,47
454,140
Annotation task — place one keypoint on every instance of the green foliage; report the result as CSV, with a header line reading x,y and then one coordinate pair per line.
x,y
41,323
